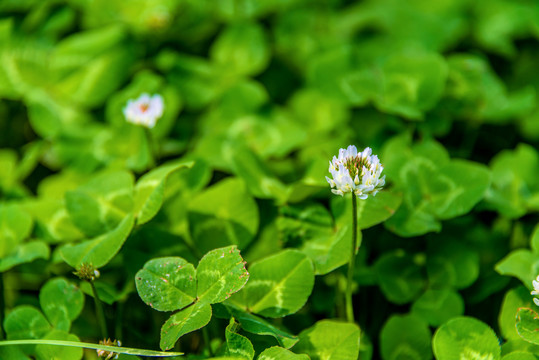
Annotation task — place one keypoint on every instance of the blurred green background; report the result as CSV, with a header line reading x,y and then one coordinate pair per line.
x,y
278,75
269,90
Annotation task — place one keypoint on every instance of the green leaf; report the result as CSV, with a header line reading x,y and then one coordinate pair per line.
x,y
53,222
303,221
434,187
329,340
102,249
25,253
268,134
465,338
469,182
199,81
55,186
527,324
126,145
258,326
189,319
519,355
513,180
242,48
438,306
220,273
279,353
329,251
401,279
475,91
318,112
377,209
15,226
409,221
534,241
412,84
513,300
231,219
82,47
420,179
311,224
238,345
279,285
259,180
90,85
414,343
167,284
102,203
62,302
13,353
8,162
50,116
150,191
520,263
32,153
51,352
242,98
26,322
332,71
452,263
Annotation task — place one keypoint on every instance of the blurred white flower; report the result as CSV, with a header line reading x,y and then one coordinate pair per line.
x,y
536,290
356,172
145,110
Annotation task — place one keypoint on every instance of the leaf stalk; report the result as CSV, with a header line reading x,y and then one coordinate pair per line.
x,y
99,312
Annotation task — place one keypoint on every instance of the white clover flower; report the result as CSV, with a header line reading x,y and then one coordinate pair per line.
x,y
145,110
357,173
535,290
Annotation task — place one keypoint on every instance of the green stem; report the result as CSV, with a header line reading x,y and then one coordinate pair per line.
x,y
2,305
350,279
100,313
114,349
118,331
152,144
207,341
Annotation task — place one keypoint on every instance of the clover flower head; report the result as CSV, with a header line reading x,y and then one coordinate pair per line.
x,y
535,290
87,272
145,110
108,354
354,172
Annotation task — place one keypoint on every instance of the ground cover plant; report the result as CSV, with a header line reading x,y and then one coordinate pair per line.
x,y
269,179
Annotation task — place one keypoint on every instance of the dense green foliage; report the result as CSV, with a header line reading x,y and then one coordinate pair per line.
x,y
215,233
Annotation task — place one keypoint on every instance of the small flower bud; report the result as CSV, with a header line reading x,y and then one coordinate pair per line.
x,y
87,272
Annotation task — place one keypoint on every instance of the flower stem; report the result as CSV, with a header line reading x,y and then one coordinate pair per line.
x,y
207,341
2,305
99,311
118,330
350,279
154,148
